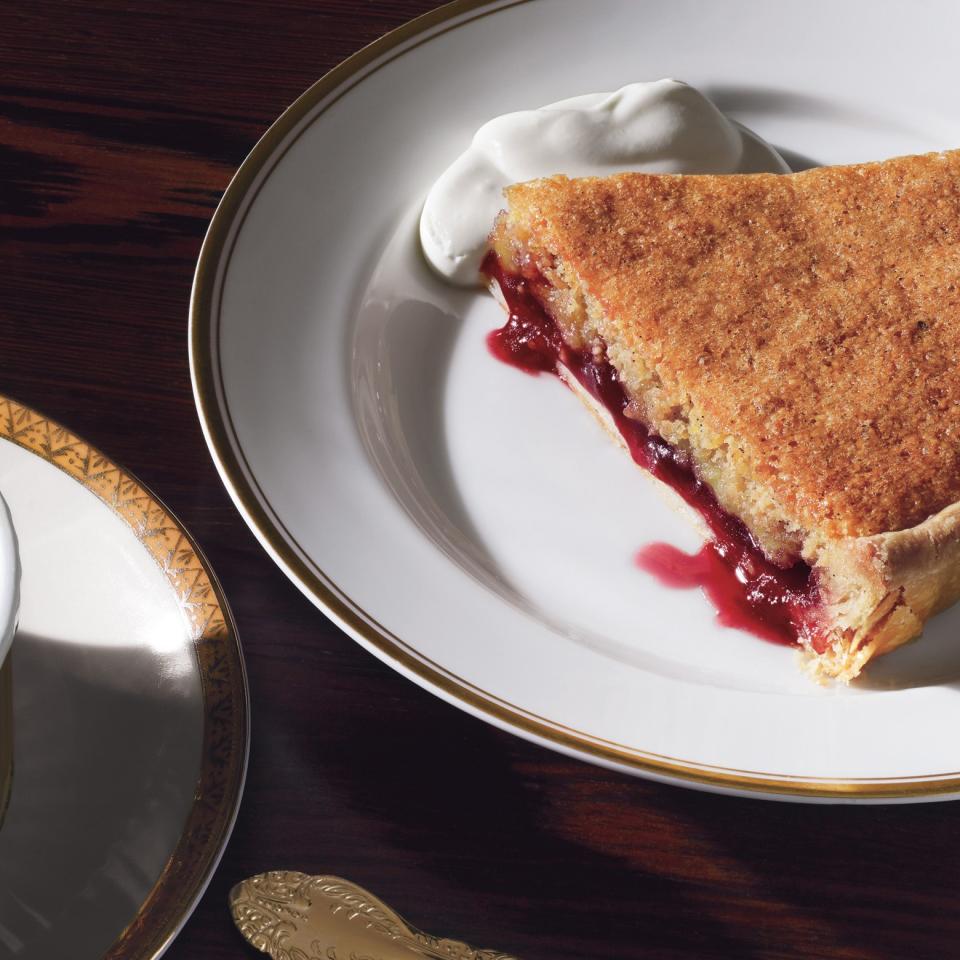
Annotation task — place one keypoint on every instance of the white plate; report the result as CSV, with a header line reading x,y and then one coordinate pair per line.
x,y
129,708
471,525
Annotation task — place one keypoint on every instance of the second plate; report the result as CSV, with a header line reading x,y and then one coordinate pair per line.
x,y
470,524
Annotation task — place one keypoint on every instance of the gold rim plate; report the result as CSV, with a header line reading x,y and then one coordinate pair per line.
x,y
242,485
218,660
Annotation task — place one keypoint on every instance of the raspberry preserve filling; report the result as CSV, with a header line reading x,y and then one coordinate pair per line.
x,y
747,590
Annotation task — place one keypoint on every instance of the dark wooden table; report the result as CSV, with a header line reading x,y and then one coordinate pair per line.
x,y
120,125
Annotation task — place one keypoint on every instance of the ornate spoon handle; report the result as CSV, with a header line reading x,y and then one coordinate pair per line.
x,y
293,916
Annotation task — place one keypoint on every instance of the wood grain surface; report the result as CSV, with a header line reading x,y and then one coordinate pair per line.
x,y
120,125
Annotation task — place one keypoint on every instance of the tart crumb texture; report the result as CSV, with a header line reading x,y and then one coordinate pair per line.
x,y
799,337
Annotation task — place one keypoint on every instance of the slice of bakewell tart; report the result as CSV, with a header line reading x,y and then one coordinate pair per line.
x,y
784,350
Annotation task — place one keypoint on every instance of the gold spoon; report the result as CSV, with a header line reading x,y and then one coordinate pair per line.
x,y
293,916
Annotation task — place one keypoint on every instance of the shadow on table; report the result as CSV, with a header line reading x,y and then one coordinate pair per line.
x,y
499,845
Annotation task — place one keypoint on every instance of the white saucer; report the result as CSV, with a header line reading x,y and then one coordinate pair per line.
x,y
129,708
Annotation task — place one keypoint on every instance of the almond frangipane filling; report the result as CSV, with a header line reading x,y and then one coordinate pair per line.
x,y
796,337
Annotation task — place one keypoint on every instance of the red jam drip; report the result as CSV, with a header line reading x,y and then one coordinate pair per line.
x,y
747,590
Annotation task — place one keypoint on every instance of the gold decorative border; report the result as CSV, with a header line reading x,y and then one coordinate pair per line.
x,y
242,485
223,677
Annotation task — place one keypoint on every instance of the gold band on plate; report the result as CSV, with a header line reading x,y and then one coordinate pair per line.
x,y
226,734
243,487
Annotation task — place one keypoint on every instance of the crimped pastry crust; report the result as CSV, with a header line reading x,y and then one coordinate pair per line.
x,y
885,587
800,335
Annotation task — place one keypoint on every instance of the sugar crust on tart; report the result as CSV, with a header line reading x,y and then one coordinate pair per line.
x,y
798,337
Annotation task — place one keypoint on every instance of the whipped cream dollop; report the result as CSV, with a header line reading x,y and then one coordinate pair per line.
x,y
660,127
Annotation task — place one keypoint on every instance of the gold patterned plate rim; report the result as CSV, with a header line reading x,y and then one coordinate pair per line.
x,y
320,587
219,658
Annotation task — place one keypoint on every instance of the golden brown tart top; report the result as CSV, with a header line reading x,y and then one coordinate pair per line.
x,y
813,317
